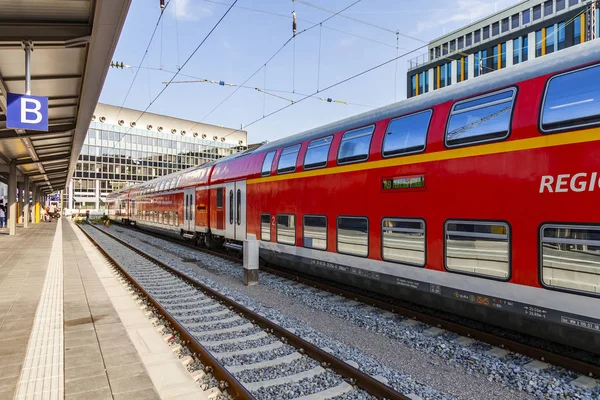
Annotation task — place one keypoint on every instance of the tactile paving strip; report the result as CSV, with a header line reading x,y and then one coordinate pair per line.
x,y
42,373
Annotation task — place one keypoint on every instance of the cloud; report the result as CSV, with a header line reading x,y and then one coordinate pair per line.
x,y
188,9
462,13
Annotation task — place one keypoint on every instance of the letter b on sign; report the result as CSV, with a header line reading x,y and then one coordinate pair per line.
x,y
27,112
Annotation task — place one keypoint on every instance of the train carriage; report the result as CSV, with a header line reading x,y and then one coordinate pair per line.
x,y
478,198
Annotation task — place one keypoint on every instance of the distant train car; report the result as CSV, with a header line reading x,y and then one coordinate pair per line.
x,y
478,198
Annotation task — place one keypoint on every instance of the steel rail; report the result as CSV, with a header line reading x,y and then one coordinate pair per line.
x,y
354,375
495,340
235,388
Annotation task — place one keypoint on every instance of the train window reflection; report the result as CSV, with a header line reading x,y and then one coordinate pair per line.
x,y
287,160
315,232
572,100
478,248
317,152
353,236
265,227
286,229
406,135
403,241
267,164
571,257
355,145
481,119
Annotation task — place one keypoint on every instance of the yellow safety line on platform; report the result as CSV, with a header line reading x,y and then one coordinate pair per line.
x,y
538,142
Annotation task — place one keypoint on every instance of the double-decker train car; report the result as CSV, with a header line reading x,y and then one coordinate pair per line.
x,y
478,198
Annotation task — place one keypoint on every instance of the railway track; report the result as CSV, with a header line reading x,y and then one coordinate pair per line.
x,y
250,355
559,358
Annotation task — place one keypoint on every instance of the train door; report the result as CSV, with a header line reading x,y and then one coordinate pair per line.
x,y
240,210
189,214
235,193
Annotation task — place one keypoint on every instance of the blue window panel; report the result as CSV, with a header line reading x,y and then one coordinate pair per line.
x,y
572,100
355,145
407,135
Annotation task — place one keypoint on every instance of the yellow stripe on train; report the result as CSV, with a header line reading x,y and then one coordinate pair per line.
x,y
588,135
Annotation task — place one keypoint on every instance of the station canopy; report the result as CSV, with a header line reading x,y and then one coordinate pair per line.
x,y
73,42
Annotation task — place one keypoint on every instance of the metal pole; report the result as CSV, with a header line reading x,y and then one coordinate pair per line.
x,y
26,205
28,68
12,199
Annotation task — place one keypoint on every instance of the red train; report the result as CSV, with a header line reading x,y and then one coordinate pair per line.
x,y
479,198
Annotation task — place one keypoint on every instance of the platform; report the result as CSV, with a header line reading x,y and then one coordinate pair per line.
x,y
69,329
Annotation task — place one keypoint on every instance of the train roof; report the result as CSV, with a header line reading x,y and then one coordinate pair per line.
x,y
571,57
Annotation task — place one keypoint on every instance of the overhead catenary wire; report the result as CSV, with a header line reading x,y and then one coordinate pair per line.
x,y
360,21
305,20
144,56
270,58
179,70
363,73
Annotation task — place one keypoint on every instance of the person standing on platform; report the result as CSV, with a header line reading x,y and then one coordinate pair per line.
x,y
2,217
87,215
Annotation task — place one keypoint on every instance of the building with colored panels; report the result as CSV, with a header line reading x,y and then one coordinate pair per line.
x,y
529,29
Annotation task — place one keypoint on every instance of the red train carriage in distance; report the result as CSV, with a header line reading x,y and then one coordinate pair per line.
x,y
480,199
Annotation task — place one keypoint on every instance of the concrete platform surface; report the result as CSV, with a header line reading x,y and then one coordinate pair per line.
x,y
69,329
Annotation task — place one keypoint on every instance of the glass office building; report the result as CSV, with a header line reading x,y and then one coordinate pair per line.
x,y
122,148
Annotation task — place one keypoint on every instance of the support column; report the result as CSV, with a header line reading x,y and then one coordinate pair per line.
x,y
509,53
531,46
19,202
453,67
471,66
97,193
431,86
12,199
35,212
26,203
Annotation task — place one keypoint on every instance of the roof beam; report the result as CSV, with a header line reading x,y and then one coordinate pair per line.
x,y
51,122
42,77
3,91
51,134
48,172
56,157
43,33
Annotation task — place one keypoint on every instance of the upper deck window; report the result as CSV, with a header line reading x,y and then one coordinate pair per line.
x,y
317,152
267,164
481,119
407,134
355,145
572,100
287,160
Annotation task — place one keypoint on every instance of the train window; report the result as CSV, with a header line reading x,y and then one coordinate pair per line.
x,y
286,229
176,218
406,135
315,232
317,152
287,159
265,227
478,248
268,164
572,100
403,241
481,119
239,207
220,195
355,145
570,257
231,207
353,236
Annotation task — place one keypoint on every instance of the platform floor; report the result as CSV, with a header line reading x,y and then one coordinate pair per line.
x,y
68,328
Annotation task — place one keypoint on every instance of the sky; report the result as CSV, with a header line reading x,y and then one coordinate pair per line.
x,y
358,39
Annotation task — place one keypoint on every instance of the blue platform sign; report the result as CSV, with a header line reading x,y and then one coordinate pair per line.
x,y
27,112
